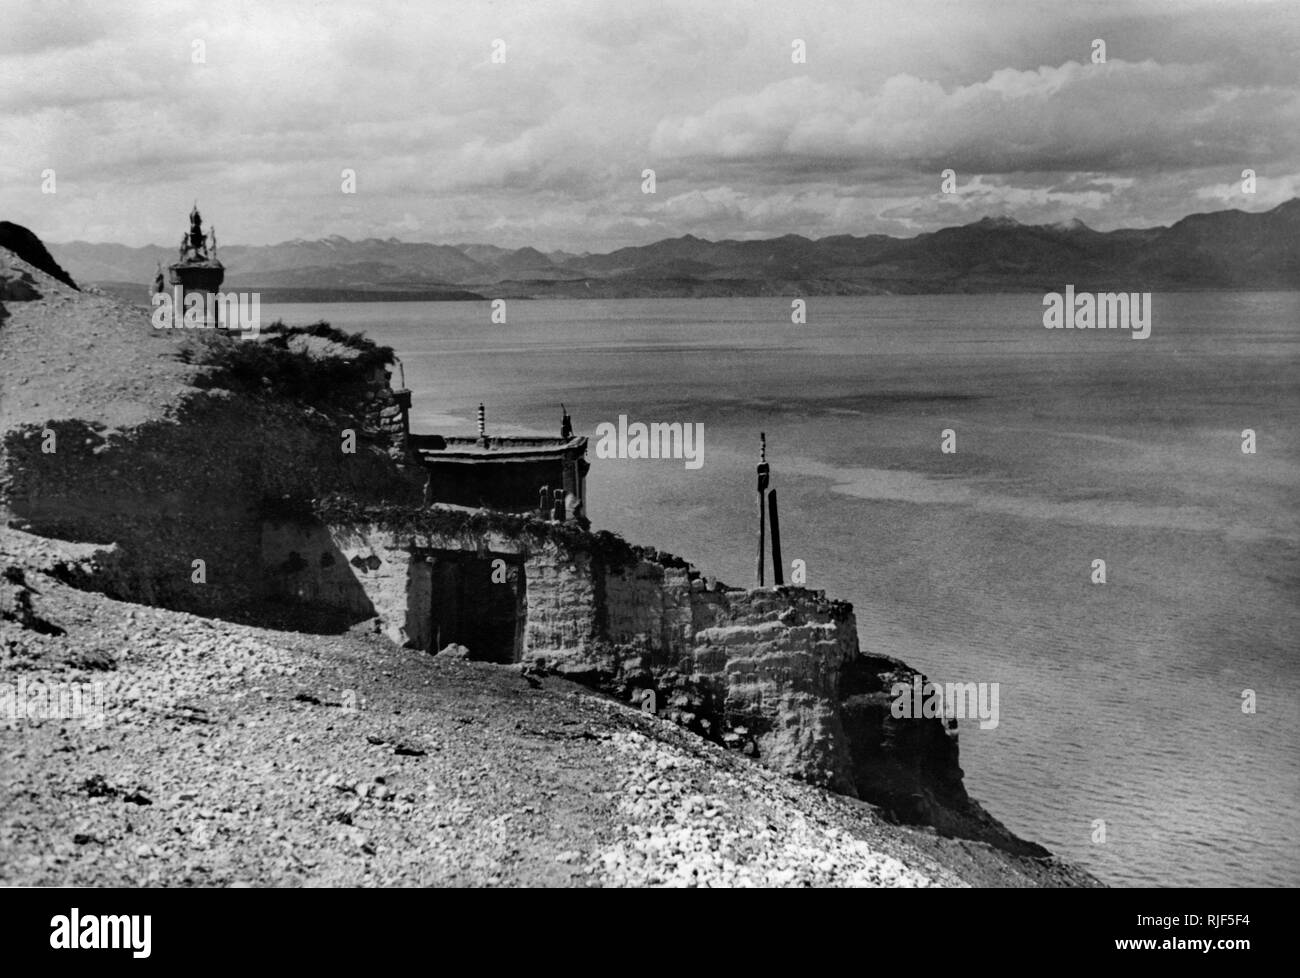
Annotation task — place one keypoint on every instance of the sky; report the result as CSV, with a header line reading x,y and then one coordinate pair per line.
x,y
533,122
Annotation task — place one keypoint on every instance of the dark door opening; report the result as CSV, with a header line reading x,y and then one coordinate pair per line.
x,y
464,599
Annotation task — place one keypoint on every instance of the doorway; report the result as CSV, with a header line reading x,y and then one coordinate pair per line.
x,y
467,599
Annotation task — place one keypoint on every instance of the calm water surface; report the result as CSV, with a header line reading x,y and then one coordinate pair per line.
x,y
1119,702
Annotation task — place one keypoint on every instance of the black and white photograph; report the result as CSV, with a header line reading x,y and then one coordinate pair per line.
x,y
686,444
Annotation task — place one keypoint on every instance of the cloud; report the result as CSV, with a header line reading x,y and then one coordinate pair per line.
x,y
1119,115
1270,190
547,148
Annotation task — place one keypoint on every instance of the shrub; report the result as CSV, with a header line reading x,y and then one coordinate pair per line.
x,y
268,365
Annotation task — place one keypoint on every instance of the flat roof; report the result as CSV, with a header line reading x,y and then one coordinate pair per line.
x,y
436,448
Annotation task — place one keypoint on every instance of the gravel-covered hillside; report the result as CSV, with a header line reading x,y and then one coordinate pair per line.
x,y
232,755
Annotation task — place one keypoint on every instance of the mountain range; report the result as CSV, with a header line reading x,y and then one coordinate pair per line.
x,y
1227,249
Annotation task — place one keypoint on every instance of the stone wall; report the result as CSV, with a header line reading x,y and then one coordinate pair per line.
x,y
774,672
387,414
758,670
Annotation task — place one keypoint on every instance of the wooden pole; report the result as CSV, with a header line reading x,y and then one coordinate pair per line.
x,y
763,470
778,569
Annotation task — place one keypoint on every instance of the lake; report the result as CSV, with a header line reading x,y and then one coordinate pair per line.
x,y
1119,702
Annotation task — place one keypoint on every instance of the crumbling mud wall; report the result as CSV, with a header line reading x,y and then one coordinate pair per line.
x,y
755,669
774,672
190,487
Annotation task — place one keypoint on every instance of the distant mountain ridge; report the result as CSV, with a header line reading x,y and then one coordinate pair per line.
x,y
1227,249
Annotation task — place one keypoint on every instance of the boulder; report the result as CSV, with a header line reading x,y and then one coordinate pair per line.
x,y
18,289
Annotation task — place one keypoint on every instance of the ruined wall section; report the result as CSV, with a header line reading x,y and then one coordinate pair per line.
x,y
563,630
774,672
757,670
386,414
363,568
782,652
658,607
194,485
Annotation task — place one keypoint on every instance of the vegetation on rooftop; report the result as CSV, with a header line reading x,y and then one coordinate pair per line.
x,y
610,549
371,352
341,508
269,365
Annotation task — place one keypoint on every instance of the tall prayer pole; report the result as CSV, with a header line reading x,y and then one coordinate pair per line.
x,y
778,570
763,470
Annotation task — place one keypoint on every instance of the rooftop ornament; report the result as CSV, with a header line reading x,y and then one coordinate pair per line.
x,y
194,244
